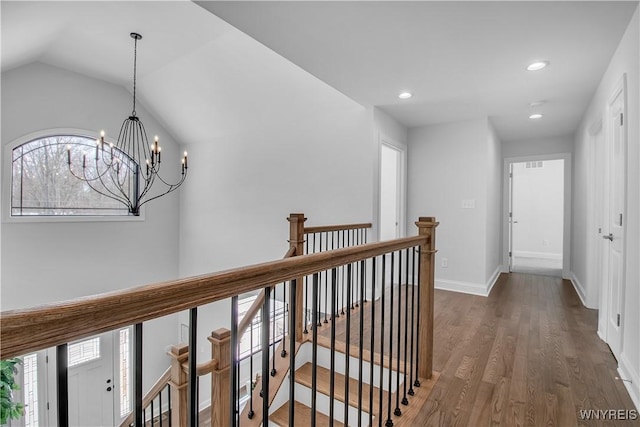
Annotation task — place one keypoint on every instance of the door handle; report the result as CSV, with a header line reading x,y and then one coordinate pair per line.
x,y
609,236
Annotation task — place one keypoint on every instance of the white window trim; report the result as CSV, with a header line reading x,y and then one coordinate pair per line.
x,y
7,170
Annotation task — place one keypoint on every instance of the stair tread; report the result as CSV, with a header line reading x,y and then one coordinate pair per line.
x,y
303,376
302,414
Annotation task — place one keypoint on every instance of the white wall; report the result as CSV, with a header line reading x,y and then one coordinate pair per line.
x,y
538,197
534,147
234,208
625,60
450,164
52,261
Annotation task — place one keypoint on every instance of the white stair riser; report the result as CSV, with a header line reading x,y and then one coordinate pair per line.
x,y
324,359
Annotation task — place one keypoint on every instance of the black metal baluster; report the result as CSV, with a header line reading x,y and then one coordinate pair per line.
x,y
285,315
382,310
332,381
361,344
389,422
234,362
342,291
413,318
357,275
353,239
326,284
192,414
144,416
364,297
335,245
169,400
292,352
250,414
160,406
374,270
272,346
314,354
405,401
62,384
347,354
152,410
306,293
416,383
264,328
137,374
397,412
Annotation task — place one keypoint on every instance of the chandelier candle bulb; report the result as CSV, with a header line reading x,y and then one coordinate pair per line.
x,y
159,154
69,155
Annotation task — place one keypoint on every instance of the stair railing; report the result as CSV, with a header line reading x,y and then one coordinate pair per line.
x,y
333,301
37,328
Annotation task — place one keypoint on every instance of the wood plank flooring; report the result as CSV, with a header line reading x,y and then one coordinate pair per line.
x,y
528,355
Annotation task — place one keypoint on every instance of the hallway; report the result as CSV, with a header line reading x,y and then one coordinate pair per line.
x,y
526,355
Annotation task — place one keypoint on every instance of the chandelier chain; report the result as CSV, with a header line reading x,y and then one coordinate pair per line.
x,y
135,55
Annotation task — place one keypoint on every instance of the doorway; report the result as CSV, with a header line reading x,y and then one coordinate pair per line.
x,y
391,192
536,216
98,379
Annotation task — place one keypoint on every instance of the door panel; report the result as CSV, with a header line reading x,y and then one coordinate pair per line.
x,y
615,223
91,386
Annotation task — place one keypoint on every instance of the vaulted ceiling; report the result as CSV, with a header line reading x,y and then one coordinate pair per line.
x,y
206,77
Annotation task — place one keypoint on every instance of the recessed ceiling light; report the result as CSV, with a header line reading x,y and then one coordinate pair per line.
x,y
538,65
535,116
405,95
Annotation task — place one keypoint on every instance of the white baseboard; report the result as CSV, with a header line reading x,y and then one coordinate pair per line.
x,y
464,287
493,279
540,255
627,372
579,288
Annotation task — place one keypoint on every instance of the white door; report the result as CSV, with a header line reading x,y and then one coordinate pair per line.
x,y
390,192
511,217
615,220
92,382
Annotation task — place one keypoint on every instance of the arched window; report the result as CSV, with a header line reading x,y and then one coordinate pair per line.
x,y
43,183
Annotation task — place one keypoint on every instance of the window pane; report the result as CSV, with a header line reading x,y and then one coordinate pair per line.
x,y
43,184
84,351
30,372
125,377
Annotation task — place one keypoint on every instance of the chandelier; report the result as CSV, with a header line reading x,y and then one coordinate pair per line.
x,y
126,171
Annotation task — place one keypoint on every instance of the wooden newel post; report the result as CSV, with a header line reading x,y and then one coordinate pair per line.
x,y
178,382
220,377
426,227
296,240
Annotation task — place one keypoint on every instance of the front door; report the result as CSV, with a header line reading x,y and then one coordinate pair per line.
x,y
91,382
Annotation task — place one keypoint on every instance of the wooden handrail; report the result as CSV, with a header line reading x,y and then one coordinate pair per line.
x,y
151,394
36,328
203,368
257,303
323,228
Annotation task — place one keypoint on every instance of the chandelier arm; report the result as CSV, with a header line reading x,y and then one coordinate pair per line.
x,y
147,187
171,188
172,185
109,172
123,201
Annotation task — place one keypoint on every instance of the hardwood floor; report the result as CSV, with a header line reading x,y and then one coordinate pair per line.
x,y
528,355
